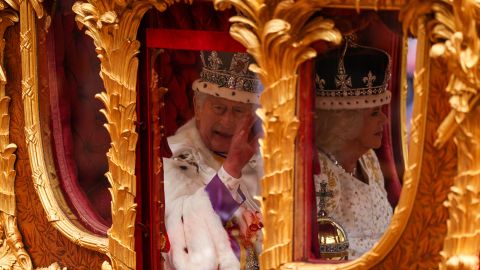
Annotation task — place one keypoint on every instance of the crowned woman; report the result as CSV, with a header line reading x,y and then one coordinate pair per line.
x,y
351,88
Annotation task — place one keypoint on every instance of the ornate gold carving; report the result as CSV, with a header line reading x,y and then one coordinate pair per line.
x,y
12,251
278,35
113,27
45,185
460,50
15,5
461,246
421,241
32,224
403,100
454,30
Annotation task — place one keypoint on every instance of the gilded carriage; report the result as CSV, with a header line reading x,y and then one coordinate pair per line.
x,y
79,196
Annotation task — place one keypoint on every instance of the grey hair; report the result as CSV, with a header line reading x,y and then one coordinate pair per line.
x,y
334,127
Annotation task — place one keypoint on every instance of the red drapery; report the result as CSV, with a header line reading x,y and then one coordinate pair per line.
x,y
79,140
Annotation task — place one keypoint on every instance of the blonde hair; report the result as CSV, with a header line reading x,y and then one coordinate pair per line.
x,y
334,127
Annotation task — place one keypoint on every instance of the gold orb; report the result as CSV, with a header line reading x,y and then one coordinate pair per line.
x,y
332,239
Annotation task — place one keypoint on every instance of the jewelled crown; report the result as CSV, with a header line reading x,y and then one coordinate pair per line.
x,y
352,77
226,75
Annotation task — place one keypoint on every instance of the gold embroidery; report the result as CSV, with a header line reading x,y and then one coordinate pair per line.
x,y
332,182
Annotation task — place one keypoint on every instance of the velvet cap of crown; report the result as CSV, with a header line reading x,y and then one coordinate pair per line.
x,y
352,77
226,75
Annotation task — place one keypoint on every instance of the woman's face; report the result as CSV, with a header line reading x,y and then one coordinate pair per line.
x,y
372,131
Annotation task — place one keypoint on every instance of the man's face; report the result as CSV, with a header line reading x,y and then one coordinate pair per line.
x,y
217,120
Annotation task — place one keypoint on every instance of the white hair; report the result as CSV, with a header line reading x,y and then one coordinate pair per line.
x,y
334,127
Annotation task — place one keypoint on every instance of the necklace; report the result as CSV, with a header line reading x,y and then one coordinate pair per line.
x,y
336,163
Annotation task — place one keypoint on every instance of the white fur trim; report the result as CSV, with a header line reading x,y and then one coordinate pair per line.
x,y
352,102
201,230
225,92
197,237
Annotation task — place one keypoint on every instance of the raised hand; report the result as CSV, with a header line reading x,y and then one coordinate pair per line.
x,y
243,146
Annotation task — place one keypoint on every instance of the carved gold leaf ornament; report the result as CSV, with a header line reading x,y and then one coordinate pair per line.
x,y
454,32
113,27
278,34
422,240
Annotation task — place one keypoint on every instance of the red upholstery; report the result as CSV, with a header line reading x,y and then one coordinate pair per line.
x,y
80,141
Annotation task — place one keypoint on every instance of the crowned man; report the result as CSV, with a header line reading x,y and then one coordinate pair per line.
x,y
211,218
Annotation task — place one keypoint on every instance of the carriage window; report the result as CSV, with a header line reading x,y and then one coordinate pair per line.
x,y
79,140
202,133
356,156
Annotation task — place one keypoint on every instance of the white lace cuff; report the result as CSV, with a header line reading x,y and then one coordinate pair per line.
x,y
231,183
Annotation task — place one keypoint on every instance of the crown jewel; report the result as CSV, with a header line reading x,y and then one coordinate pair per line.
x,y
229,70
226,75
352,77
